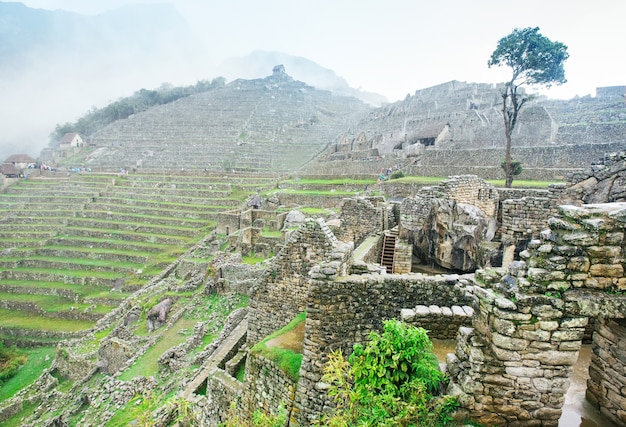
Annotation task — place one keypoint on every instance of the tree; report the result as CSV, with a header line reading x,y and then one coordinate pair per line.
x,y
534,60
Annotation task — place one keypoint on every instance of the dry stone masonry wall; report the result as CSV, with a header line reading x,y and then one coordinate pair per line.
x,y
282,294
512,367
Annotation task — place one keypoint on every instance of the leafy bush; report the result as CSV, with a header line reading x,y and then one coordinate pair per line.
x,y
391,381
11,359
396,175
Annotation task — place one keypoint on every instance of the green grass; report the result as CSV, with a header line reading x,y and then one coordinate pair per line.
x,y
425,180
320,193
53,303
147,364
315,211
34,367
338,181
523,183
30,321
287,360
433,180
252,260
271,233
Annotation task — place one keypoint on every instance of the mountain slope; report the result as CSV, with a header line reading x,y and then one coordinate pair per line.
x,y
54,65
256,64
275,124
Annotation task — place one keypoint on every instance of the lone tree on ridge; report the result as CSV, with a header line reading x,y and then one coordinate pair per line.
x,y
534,60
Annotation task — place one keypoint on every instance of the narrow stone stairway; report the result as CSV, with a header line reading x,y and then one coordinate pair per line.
x,y
388,252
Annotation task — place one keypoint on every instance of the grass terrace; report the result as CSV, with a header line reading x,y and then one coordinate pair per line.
x,y
74,246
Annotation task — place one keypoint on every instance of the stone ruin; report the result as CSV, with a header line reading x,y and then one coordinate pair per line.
x,y
519,328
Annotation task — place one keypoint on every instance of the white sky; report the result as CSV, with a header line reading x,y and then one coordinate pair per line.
x,y
395,47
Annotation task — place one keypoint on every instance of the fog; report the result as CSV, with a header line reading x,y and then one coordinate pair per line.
x,y
390,48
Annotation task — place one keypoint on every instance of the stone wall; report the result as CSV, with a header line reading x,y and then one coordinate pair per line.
x,y
472,190
440,322
282,292
221,391
361,217
606,386
267,386
552,162
513,366
523,219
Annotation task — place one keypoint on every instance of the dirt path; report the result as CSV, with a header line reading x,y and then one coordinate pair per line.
x,y
292,340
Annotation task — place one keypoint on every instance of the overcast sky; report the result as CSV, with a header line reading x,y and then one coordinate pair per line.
x,y
394,47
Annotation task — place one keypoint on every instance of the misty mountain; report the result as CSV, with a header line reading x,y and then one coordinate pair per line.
x,y
55,65
256,64
29,36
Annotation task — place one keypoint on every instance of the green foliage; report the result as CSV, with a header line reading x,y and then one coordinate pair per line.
x,y
397,175
143,99
11,360
516,167
533,58
392,381
39,359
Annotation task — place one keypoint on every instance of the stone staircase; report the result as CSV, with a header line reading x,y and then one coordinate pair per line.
x,y
388,250
218,359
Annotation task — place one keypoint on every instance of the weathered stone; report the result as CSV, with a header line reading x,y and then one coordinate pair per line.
x,y
607,270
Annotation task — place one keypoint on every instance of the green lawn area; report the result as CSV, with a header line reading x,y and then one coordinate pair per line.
x,y
30,321
33,368
338,181
147,364
53,303
434,180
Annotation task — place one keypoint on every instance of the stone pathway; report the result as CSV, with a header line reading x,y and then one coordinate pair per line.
x,y
230,344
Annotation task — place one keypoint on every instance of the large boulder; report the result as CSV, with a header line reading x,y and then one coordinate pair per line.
x,y
452,233
158,314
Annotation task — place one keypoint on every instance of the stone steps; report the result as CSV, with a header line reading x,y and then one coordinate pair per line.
x,y
118,233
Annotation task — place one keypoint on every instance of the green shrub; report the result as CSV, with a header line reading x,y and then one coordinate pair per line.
x,y
396,175
11,360
391,381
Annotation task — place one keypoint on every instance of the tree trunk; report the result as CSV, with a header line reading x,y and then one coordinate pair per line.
x,y
507,115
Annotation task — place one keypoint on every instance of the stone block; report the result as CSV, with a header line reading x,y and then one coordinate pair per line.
x,y
406,314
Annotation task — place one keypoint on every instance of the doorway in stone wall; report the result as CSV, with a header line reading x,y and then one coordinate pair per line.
x,y
597,361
